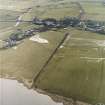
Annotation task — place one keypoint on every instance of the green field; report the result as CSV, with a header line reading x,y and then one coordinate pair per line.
x,y
27,60
6,18
76,70
94,10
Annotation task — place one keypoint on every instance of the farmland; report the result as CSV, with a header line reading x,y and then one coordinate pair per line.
x,y
76,68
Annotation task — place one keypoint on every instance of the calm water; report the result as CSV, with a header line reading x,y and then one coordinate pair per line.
x,y
14,93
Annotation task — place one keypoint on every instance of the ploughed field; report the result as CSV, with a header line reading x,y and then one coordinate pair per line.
x,y
76,70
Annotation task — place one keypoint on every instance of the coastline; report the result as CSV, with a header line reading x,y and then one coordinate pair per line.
x,y
55,97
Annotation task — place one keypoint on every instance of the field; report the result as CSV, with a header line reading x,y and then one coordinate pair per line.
x,y
94,10
29,57
77,68
26,61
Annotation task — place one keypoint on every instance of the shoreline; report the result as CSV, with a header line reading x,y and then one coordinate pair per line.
x,y
55,97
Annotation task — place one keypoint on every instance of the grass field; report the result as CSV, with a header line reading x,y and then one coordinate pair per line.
x,y
76,69
94,10
27,60
7,15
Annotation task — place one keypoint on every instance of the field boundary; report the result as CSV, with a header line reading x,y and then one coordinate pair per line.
x,y
47,62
